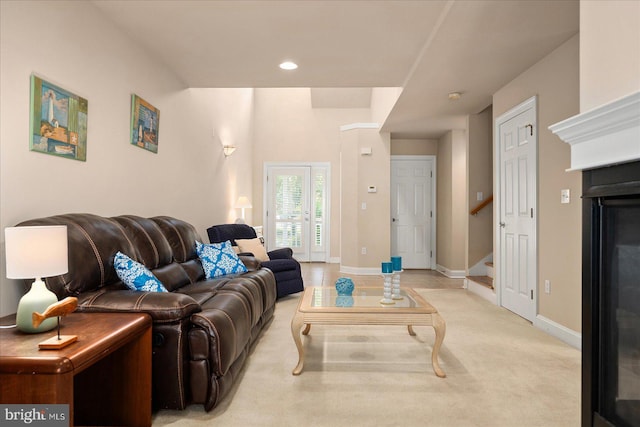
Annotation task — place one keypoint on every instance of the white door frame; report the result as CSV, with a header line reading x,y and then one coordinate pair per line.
x,y
433,198
518,109
265,189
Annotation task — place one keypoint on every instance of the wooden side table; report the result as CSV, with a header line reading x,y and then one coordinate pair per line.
x,y
104,377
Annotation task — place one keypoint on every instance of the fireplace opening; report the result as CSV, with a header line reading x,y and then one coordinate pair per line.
x,y
611,296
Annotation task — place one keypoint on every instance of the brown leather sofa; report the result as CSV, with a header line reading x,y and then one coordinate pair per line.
x,y
203,329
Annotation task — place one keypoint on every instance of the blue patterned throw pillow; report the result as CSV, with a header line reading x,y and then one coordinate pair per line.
x,y
135,275
219,259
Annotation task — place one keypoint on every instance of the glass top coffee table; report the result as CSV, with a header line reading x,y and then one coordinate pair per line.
x,y
323,306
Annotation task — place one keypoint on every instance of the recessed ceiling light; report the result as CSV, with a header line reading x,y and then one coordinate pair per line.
x,y
454,96
288,65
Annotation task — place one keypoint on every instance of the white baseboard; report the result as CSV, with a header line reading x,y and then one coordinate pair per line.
x,y
360,271
452,274
481,291
334,260
569,336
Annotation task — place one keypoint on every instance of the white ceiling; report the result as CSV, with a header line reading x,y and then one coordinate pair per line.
x,y
428,47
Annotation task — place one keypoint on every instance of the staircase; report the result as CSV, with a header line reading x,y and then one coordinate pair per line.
x,y
483,285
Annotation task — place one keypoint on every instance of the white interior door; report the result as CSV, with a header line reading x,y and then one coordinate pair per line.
x,y
296,214
412,211
517,139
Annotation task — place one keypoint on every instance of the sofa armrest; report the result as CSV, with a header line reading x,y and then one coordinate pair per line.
x,y
252,263
164,307
282,253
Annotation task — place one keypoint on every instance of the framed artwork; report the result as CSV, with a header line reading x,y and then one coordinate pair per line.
x,y
58,121
145,120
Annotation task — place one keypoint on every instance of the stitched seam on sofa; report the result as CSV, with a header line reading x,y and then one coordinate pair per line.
x,y
244,304
139,301
260,288
180,383
184,248
217,336
126,236
92,299
95,250
153,245
155,248
65,284
155,310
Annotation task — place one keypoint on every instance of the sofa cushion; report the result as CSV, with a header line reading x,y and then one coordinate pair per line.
x,y
254,246
163,307
92,241
135,275
219,259
173,276
153,248
226,320
181,237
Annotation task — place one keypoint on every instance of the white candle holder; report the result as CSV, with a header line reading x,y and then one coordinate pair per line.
x,y
396,286
386,298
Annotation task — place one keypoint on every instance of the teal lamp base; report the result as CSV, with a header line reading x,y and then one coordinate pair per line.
x,y
36,300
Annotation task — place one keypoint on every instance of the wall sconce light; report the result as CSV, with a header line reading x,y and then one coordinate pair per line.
x,y
228,150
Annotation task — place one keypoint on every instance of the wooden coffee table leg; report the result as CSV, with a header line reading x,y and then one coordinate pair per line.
x,y
296,325
411,332
307,328
440,328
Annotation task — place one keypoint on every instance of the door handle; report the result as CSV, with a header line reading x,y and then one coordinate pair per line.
x,y
393,220
502,224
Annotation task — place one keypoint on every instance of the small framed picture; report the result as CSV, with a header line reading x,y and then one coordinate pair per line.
x,y
145,121
58,121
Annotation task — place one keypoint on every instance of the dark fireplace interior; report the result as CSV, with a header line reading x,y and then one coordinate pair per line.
x,y
611,296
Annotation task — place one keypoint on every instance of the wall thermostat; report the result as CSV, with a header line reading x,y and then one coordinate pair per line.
x,y
372,189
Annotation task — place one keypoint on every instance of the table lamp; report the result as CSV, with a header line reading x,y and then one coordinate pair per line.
x,y
242,203
36,252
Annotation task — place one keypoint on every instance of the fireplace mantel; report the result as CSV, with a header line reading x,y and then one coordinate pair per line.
x,y
603,136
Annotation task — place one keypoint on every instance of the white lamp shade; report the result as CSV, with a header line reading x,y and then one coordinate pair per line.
x,y
36,252
243,202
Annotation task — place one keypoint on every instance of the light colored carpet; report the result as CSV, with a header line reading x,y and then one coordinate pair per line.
x,y
500,370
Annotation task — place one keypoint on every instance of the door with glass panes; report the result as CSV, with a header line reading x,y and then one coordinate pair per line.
x,y
296,214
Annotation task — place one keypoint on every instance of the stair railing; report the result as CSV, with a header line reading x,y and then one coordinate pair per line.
x,y
480,206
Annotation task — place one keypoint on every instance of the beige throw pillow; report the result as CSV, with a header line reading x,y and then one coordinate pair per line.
x,y
254,246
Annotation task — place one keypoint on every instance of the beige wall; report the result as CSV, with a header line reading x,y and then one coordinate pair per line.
x,y
374,222
480,179
225,118
288,129
443,201
451,225
609,51
460,206
382,101
367,228
414,147
555,82
189,178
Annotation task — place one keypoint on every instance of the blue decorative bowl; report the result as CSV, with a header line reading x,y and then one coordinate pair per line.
x,y
344,286
344,301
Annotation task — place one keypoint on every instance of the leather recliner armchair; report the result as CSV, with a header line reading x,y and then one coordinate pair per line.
x,y
281,262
